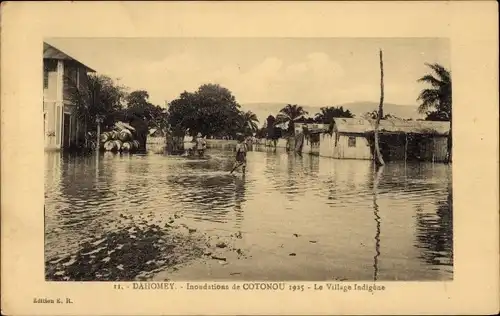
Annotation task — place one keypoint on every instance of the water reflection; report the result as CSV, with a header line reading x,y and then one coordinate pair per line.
x,y
332,214
291,174
376,180
239,200
435,234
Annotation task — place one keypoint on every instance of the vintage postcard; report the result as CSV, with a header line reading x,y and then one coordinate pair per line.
x,y
249,158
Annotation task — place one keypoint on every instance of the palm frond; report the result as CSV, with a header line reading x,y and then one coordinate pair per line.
x,y
429,98
431,80
282,118
442,72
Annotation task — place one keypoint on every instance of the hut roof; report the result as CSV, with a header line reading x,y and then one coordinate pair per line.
x,y
50,52
312,127
415,127
352,125
392,125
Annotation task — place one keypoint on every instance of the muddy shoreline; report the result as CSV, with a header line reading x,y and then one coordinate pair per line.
x,y
138,250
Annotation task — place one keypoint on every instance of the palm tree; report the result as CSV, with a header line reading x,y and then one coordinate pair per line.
x,y
99,97
438,96
327,114
291,113
248,122
436,100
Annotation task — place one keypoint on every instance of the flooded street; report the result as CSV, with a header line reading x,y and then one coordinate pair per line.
x,y
289,218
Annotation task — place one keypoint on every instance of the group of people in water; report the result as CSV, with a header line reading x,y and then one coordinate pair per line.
x,y
200,146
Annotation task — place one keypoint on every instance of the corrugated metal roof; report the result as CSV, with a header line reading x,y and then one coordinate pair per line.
x,y
50,52
361,125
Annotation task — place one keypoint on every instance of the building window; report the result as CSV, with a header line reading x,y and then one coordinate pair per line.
x,y
45,78
351,141
49,66
70,76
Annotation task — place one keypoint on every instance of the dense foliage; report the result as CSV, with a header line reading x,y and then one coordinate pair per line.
x,y
373,115
326,114
436,100
212,110
290,114
100,97
139,108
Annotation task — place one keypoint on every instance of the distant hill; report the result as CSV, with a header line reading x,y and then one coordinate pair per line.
x,y
399,110
263,109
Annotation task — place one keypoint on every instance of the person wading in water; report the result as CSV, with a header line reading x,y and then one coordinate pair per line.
x,y
241,155
201,145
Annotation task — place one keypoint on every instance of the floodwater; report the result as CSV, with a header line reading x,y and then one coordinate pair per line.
x,y
288,218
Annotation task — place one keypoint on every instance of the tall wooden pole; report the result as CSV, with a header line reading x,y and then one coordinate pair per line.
x,y
433,150
406,147
99,120
98,135
378,159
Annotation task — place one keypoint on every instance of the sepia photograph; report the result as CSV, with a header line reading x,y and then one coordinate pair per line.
x,y
230,159
249,157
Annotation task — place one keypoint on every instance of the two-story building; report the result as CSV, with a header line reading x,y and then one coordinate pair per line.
x,y
61,74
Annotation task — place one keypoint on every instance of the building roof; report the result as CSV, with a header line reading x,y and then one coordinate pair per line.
x,y
50,52
392,125
312,127
415,127
352,125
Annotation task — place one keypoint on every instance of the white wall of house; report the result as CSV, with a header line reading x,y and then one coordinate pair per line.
x,y
58,110
345,146
306,146
53,102
326,145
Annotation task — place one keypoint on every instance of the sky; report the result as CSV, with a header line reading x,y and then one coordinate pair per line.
x,y
306,71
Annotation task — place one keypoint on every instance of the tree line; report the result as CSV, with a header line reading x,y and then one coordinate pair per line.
x,y
283,123
213,110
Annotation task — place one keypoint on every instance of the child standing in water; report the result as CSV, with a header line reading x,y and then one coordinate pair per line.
x,y
241,155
